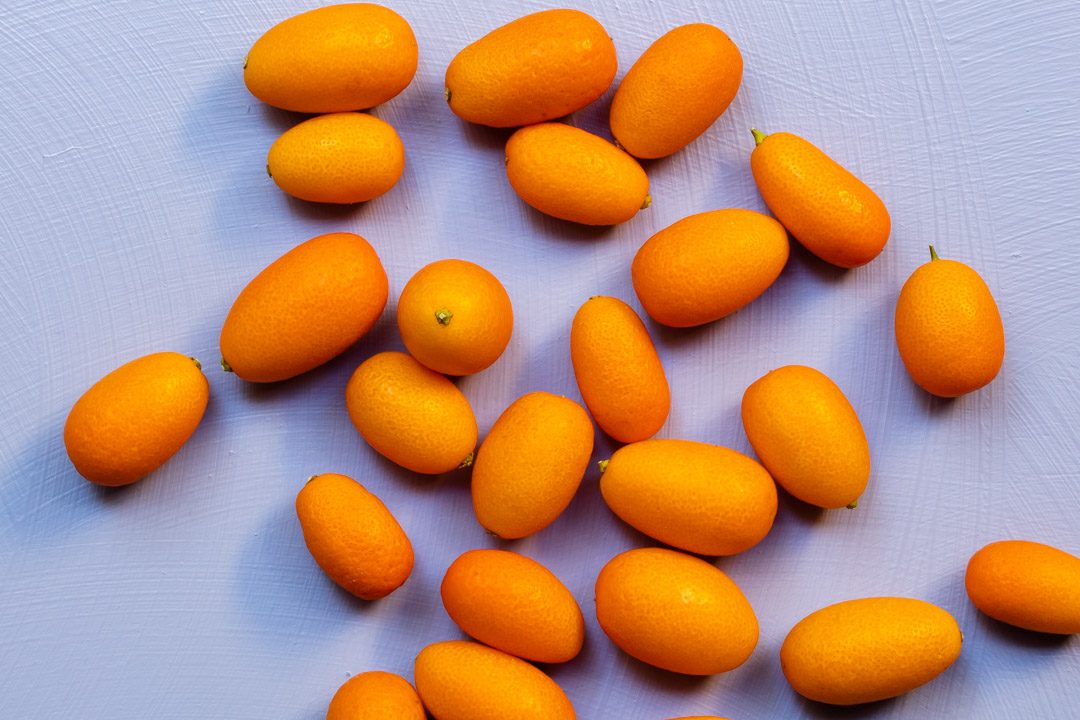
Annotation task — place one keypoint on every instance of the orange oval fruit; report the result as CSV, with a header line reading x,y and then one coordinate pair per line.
x,y
304,309
513,604
343,157
376,695
135,418
1026,584
336,58
675,611
618,370
353,537
461,680
678,87
826,208
455,317
707,266
948,328
539,67
807,435
530,465
411,415
574,175
870,649
702,498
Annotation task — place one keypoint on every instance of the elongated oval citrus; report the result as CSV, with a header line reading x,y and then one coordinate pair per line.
x,y
1026,584
135,418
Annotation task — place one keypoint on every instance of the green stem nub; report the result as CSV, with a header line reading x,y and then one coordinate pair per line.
x,y
444,316
854,504
467,462
603,465
446,94
198,365
933,253
759,137
648,201
225,366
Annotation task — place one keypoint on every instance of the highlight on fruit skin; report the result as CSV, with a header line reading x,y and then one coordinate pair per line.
x,y
948,328
676,90
1026,584
337,58
132,420
830,211
537,68
340,158
869,649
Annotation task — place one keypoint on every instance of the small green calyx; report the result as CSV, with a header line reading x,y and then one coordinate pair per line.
x,y
854,504
225,366
198,365
759,137
468,461
443,316
648,201
603,465
447,94
933,254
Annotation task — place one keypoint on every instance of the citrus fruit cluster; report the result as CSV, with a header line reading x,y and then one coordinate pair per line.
x,y
665,607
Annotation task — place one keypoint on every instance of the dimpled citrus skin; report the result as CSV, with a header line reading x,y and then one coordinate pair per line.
x,y
461,680
826,208
376,695
870,649
135,418
539,67
707,266
618,370
411,415
530,465
455,317
333,59
675,611
513,604
353,537
678,87
702,498
948,329
304,309
574,175
337,158
1026,584
807,435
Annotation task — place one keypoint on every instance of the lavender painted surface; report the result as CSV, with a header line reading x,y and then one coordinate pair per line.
x,y
134,206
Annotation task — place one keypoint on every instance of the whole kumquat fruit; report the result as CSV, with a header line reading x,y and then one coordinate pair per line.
x,y
618,370
675,611
702,498
350,56
574,175
376,695
411,415
513,604
455,317
337,158
707,266
870,649
807,435
678,87
530,465
826,208
135,418
1026,584
460,680
353,537
539,67
304,309
948,328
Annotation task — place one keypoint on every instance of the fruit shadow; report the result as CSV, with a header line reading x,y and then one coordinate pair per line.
x,y
1035,642
803,262
814,709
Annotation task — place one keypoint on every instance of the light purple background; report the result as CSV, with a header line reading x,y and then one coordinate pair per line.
x,y
134,205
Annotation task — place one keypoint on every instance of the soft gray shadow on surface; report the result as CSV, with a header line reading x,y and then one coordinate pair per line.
x,y
1024,640
552,228
825,711
806,262
485,138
